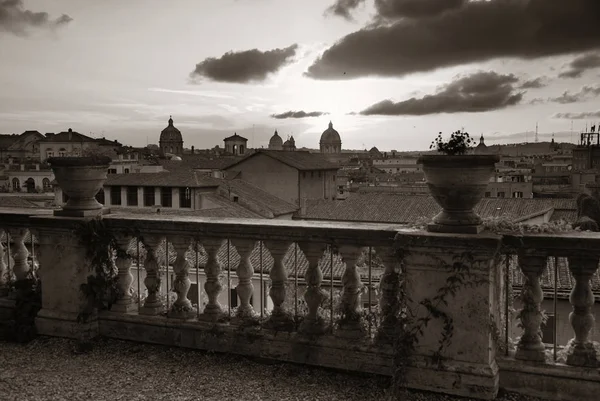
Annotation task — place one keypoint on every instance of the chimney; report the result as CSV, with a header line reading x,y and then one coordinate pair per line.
x,y
70,134
192,149
303,206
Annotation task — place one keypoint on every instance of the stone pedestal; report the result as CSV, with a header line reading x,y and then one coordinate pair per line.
x,y
63,268
466,365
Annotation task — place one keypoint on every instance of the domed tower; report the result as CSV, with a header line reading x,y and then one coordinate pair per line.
x,y
482,148
290,144
330,141
275,143
171,140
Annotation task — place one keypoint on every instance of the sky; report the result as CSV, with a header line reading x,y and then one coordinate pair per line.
x,y
387,73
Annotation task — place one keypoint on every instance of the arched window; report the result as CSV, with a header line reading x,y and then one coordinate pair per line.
x,y
16,185
49,152
62,152
46,184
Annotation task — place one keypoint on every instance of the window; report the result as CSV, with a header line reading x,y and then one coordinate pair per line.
x,y
16,185
126,171
46,184
517,194
185,197
112,171
236,199
166,197
149,196
76,152
115,196
500,195
62,152
49,153
488,194
132,196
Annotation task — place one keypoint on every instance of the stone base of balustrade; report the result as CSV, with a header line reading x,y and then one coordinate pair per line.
x,y
351,330
447,229
7,306
551,381
152,310
124,307
63,324
458,378
581,355
184,313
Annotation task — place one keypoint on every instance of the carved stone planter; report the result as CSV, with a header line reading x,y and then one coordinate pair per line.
x,y
457,183
80,178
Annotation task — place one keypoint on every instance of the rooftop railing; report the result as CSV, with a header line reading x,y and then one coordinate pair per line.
x,y
435,311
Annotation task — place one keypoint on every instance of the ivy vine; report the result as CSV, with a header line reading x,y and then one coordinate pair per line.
x,y
411,324
100,290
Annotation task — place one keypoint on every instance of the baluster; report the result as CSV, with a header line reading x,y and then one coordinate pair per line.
x,y
350,323
124,303
245,272
313,322
153,304
389,301
182,307
580,350
530,345
280,317
3,268
19,253
213,287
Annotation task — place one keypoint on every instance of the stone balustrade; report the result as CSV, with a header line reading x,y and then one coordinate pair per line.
x,y
457,284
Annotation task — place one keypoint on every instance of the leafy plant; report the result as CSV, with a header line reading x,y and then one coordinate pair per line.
x,y
458,144
28,302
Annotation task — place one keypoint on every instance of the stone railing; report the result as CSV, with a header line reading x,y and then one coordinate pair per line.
x,y
416,267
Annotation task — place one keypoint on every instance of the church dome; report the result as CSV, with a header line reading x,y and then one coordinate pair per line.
x,y
276,143
330,136
171,134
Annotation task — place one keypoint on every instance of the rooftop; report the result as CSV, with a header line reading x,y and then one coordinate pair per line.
x,y
300,160
180,178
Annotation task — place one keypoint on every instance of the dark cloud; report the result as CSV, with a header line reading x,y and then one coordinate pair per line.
x,y
476,32
535,83
580,65
245,66
15,19
344,8
298,114
394,9
578,116
587,92
479,92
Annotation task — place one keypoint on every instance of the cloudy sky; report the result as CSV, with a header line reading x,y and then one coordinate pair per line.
x,y
388,73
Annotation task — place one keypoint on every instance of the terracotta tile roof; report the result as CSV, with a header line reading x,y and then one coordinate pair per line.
x,y
64,137
225,209
16,202
6,140
255,198
196,162
300,160
405,209
178,178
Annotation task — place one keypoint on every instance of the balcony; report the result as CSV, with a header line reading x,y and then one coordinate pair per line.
x,y
434,311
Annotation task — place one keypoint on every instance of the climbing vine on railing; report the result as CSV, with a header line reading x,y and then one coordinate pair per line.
x,y
412,324
100,290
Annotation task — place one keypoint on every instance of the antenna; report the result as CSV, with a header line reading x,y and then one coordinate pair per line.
x,y
537,138
571,130
253,143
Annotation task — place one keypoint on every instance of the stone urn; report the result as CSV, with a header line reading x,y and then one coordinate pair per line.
x,y
458,183
80,178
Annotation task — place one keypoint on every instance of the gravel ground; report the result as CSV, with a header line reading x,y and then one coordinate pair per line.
x,y
51,369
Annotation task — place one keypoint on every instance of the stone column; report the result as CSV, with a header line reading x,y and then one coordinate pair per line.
x,y
64,267
19,253
153,305
351,321
182,307
280,317
389,301
580,350
124,303
213,310
245,272
313,322
530,346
